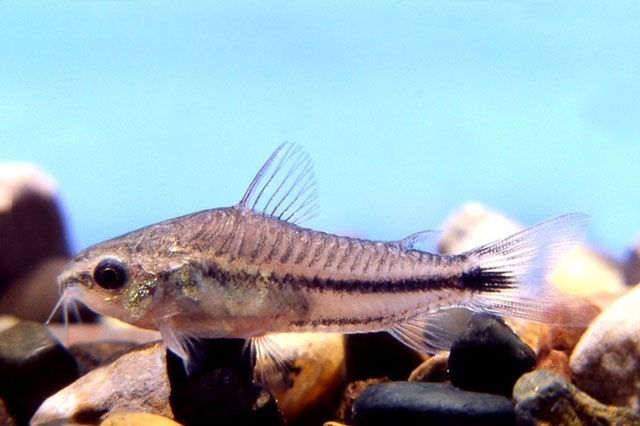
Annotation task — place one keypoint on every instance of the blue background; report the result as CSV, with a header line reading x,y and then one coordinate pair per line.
x,y
146,110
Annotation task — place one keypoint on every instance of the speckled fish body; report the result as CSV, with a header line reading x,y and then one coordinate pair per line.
x,y
249,270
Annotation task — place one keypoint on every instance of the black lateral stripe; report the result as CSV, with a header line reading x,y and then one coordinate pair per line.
x,y
475,280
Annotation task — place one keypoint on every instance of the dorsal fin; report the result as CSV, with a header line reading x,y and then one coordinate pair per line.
x,y
285,186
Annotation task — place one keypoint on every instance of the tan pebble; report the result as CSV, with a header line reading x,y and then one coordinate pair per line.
x,y
319,368
556,361
473,225
432,370
136,381
544,337
590,275
137,419
350,393
8,321
528,331
560,338
606,361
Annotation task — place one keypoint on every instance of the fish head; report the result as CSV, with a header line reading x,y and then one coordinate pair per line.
x,y
112,281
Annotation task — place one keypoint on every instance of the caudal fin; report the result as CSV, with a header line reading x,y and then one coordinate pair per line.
x,y
521,264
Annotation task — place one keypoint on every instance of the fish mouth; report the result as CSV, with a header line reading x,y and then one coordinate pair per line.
x,y
67,289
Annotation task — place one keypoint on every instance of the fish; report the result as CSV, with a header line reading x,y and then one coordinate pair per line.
x,y
252,270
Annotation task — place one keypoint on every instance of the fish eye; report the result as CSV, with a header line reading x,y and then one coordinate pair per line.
x,y
110,274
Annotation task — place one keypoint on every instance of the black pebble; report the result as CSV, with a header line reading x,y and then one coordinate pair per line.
x,y
417,403
33,366
221,390
489,357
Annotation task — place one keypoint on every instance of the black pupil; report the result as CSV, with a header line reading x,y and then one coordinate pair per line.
x,y
109,274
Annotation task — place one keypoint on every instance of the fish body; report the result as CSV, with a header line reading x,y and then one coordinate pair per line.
x,y
249,270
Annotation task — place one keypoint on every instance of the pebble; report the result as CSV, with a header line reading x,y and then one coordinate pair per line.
x,y
473,225
31,224
417,403
350,393
137,419
544,398
606,361
33,365
557,362
631,264
555,345
318,369
8,321
435,369
220,391
590,275
90,355
136,381
489,356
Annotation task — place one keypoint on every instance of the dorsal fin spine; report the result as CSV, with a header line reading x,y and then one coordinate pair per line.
x,y
284,187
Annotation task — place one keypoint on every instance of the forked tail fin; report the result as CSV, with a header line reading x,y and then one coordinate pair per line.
x,y
519,266
508,278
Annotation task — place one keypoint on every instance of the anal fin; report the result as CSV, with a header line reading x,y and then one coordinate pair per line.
x,y
431,332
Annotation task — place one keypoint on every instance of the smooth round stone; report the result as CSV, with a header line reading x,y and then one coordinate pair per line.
x,y
489,357
220,391
90,355
416,403
33,365
606,361
135,381
318,369
31,222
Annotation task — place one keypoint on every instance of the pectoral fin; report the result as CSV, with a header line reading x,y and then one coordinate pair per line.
x,y
272,361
